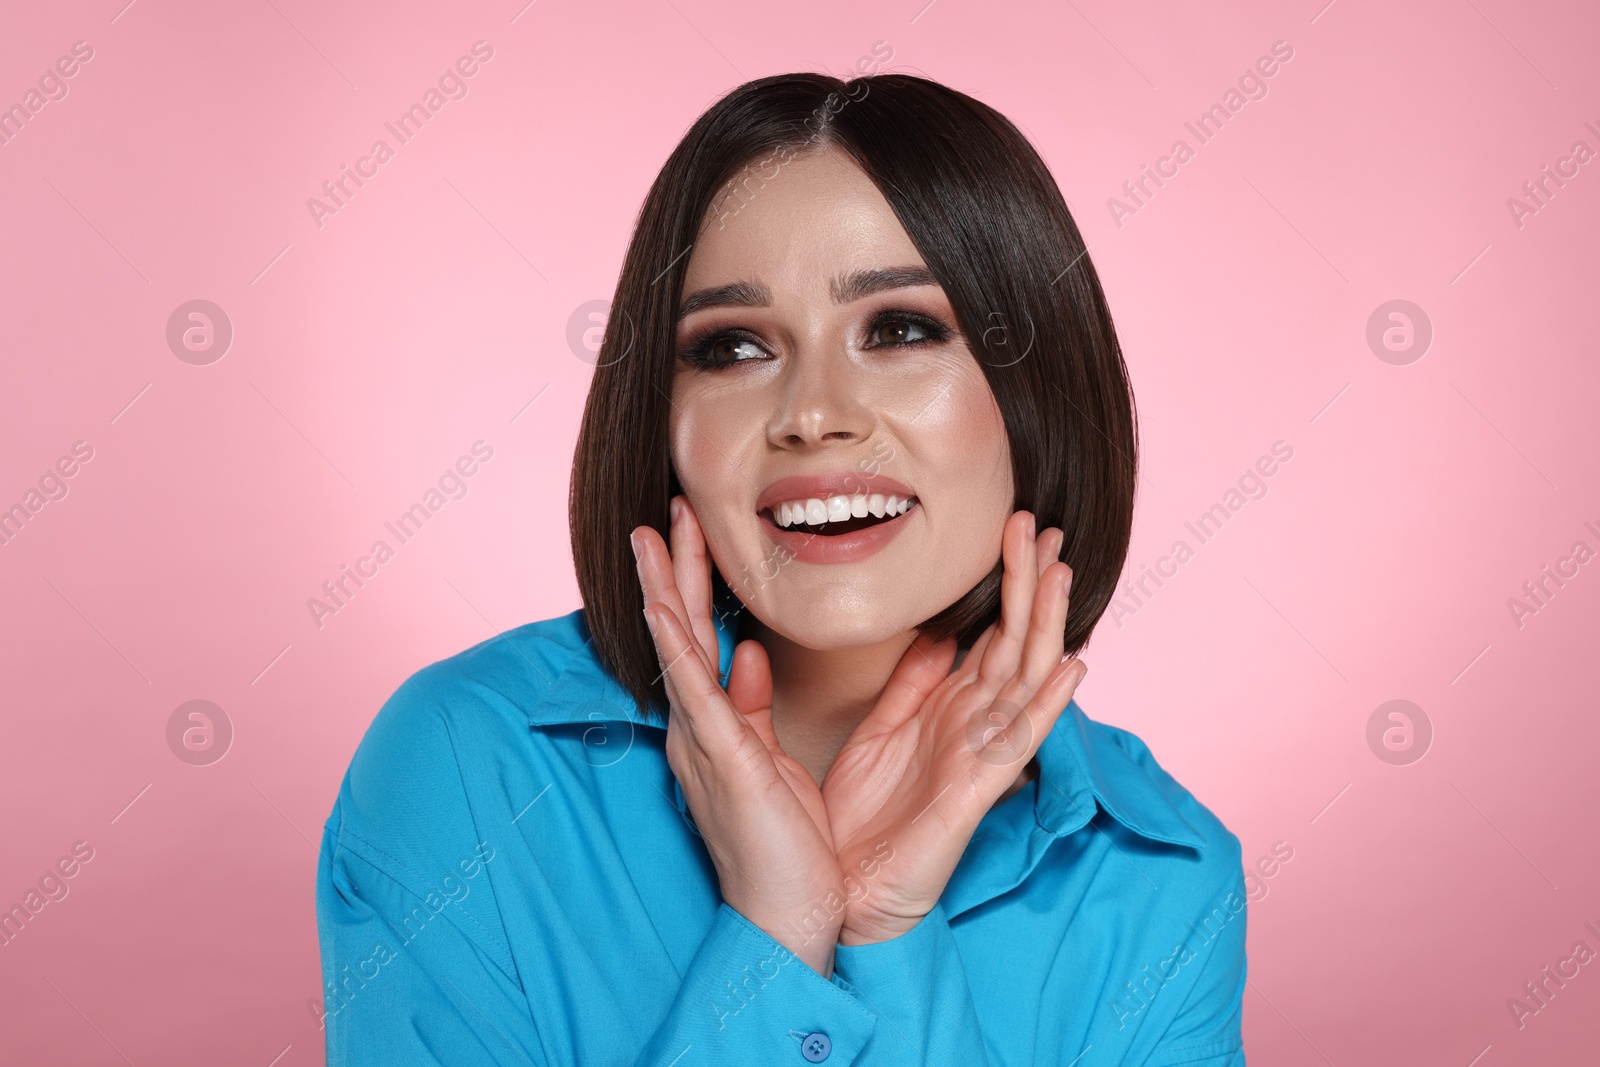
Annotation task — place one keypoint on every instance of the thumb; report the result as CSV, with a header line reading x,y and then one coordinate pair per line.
x,y
750,678
750,689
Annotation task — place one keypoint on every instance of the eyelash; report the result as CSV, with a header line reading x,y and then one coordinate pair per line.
x,y
696,350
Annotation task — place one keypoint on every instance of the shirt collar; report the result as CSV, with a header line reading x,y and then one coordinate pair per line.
x,y
1082,764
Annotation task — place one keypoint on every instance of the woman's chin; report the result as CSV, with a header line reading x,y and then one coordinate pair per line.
x,y
829,623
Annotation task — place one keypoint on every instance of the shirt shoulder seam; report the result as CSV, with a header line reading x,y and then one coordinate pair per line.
x,y
361,854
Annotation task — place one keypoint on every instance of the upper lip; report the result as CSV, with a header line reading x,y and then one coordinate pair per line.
x,y
822,486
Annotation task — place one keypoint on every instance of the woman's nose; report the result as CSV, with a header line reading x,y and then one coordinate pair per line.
x,y
819,399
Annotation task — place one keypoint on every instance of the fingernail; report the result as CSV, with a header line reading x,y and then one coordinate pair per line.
x,y
674,507
1032,528
633,542
650,621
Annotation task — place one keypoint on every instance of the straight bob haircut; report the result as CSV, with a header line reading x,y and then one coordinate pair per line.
x,y
985,213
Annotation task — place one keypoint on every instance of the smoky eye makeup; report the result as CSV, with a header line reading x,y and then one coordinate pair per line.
x,y
717,347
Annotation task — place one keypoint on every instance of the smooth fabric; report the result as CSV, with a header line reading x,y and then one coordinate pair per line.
x,y
510,876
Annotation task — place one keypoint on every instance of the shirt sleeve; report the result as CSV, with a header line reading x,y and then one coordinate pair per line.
x,y
416,963
403,984
747,999
1207,1030
419,968
420,993
916,985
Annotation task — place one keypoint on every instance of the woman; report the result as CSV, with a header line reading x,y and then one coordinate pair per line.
x,y
828,797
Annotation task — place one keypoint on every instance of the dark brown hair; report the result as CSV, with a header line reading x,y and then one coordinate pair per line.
x,y
986,215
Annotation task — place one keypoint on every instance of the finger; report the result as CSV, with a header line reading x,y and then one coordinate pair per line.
x,y
1029,726
974,656
750,689
1047,627
1017,583
921,670
1045,709
750,678
967,670
1049,552
692,568
660,584
1050,547
676,717
713,722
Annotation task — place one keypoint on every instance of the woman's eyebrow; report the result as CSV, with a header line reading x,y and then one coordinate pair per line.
x,y
845,289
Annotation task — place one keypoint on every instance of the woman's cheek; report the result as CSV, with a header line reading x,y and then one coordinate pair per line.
x,y
960,434
703,454
696,457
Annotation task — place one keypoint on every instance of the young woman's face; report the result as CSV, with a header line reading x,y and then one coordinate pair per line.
x,y
832,384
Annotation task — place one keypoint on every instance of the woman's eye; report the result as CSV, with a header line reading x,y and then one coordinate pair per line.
x,y
729,349
722,350
898,330
894,333
904,331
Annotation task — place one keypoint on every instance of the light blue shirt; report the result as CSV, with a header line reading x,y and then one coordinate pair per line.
x,y
511,876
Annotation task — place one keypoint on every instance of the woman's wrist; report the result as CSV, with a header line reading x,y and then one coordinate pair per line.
x,y
812,946
815,952
871,935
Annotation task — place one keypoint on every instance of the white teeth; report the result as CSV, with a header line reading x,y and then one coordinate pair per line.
x,y
816,511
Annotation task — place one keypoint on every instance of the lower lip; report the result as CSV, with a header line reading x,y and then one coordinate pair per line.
x,y
837,548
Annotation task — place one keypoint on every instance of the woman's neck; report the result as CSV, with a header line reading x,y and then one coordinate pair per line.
x,y
820,697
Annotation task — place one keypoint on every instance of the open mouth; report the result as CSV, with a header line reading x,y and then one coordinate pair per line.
x,y
837,515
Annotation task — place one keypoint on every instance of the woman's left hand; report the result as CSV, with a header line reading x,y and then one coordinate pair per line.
x,y
912,782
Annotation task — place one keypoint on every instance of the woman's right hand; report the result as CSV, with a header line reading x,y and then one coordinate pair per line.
x,y
759,810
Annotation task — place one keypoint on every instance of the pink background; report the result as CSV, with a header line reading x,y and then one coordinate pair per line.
x,y
434,308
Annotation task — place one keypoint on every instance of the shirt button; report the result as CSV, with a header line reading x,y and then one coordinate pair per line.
x,y
816,1046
